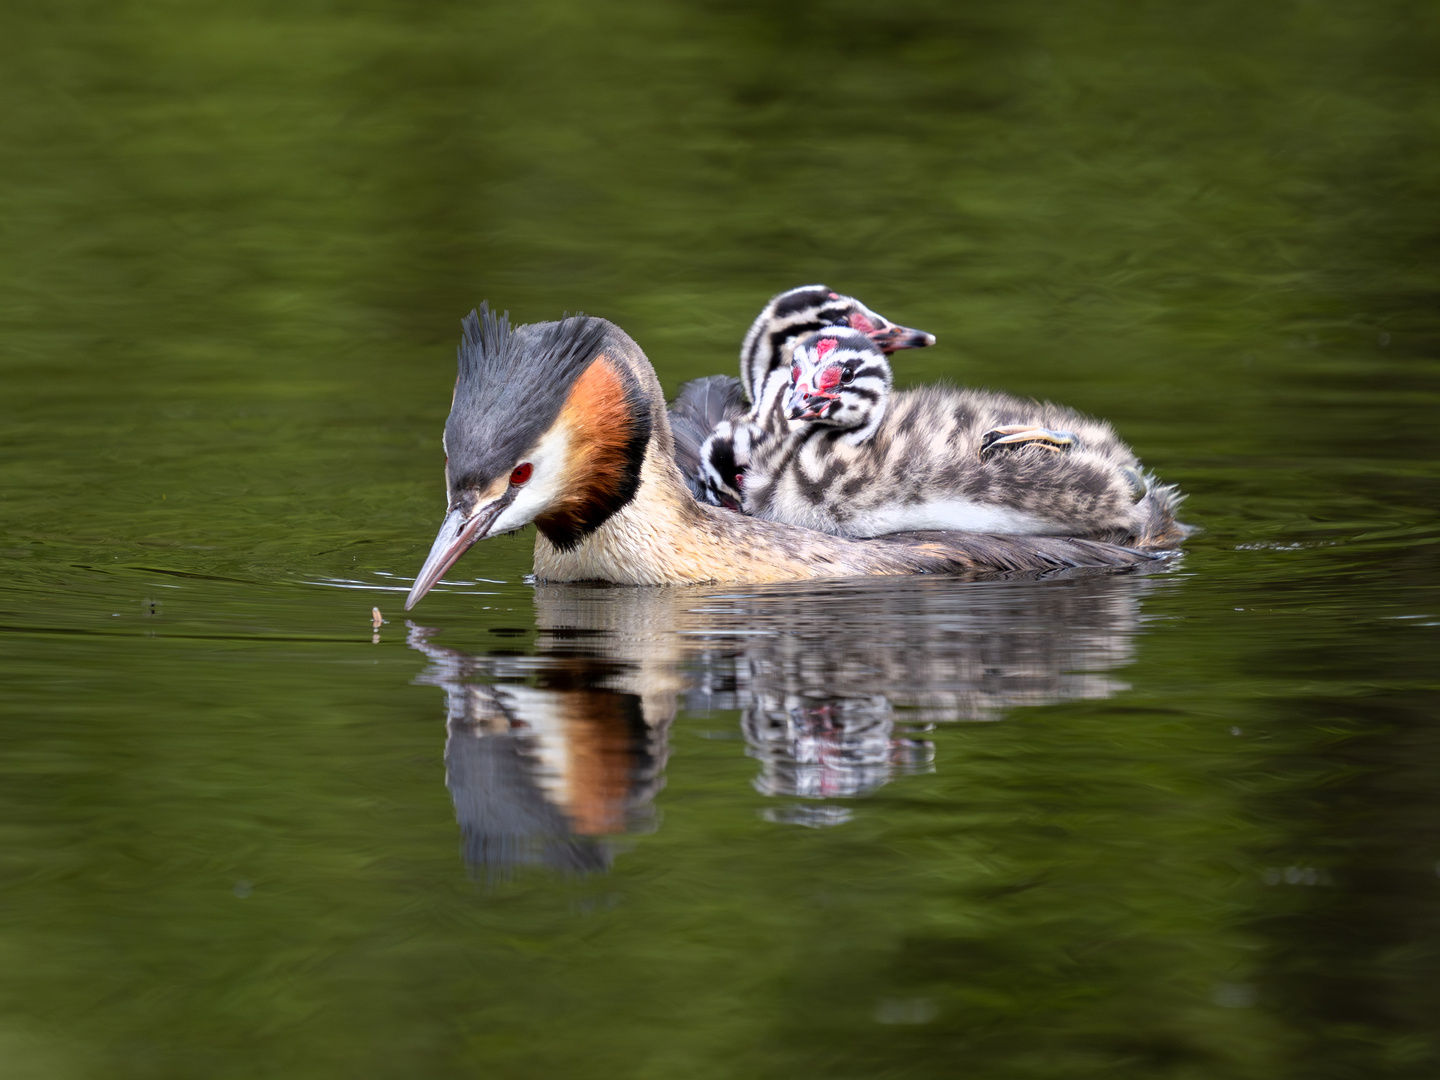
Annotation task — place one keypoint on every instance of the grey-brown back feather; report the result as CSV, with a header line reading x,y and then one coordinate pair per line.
x,y
935,551
946,551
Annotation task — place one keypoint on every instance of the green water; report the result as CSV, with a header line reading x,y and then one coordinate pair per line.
x,y
1177,825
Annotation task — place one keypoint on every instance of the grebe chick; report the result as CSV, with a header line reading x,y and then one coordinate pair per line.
x,y
866,461
709,409
702,408
793,314
563,424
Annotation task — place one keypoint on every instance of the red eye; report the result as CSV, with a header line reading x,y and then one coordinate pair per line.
x,y
521,473
795,373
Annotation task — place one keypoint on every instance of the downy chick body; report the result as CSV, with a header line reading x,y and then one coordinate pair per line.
x,y
866,461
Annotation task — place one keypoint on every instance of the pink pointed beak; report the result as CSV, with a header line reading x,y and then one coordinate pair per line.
x,y
458,533
805,404
893,338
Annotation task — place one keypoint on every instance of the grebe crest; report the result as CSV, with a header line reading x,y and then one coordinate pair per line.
x,y
542,428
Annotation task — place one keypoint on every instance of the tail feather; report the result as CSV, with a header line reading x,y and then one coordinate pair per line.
x,y
1159,505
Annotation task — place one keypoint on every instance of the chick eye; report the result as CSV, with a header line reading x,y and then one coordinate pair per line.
x,y
847,376
521,473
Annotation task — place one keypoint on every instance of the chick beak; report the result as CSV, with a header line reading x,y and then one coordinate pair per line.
x,y
893,338
462,527
810,406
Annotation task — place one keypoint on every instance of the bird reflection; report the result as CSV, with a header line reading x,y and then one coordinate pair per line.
x,y
828,748
541,771
551,757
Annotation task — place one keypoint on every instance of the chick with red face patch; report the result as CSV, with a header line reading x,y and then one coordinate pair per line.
x,y
714,427
841,379
838,377
798,312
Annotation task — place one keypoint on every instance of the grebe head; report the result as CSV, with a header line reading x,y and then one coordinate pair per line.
x,y
841,379
797,312
724,457
720,468
544,426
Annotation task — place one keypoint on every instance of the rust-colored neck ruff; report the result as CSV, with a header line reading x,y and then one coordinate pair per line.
x,y
608,434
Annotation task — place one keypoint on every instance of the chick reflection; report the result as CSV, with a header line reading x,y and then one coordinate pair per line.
x,y
833,748
836,692
836,684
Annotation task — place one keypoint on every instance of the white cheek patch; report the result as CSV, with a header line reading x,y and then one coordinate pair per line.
x,y
547,482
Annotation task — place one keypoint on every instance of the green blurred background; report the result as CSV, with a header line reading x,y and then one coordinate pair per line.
x,y
237,242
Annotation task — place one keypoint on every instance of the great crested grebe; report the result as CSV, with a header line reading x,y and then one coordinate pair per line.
x,y
866,461
707,412
564,424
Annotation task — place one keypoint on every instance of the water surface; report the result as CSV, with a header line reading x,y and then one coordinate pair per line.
x,y
1183,823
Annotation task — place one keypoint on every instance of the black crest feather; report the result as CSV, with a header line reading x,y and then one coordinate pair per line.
x,y
511,385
